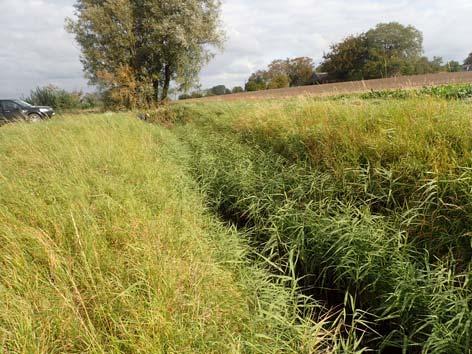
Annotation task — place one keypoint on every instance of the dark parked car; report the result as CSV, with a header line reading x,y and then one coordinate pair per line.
x,y
12,110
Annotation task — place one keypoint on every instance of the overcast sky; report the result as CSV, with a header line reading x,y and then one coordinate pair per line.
x,y
35,49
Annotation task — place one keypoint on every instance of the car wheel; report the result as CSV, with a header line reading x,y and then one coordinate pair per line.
x,y
34,118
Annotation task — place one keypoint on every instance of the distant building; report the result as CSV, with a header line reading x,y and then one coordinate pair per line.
x,y
320,78
467,67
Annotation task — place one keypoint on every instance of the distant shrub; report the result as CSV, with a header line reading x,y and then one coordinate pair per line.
x,y
60,99
218,90
184,96
237,89
91,100
187,96
196,94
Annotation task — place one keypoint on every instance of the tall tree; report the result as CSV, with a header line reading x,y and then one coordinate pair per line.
x,y
257,81
135,48
300,71
453,66
387,50
392,46
278,74
283,73
347,59
468,61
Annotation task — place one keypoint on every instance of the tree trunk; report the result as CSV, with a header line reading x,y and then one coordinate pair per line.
x,y
165,89
155,85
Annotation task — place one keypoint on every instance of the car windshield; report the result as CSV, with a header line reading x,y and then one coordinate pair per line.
x,y
22,103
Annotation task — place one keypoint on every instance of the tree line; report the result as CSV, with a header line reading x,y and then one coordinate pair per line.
x,y
387,50
132,50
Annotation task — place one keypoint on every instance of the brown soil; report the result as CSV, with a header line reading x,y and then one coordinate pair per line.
x,y
401,82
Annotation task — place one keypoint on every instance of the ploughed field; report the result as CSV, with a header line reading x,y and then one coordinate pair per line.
x,y
402,82
303,225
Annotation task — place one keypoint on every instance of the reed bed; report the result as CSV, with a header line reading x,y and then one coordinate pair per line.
x,y
364,203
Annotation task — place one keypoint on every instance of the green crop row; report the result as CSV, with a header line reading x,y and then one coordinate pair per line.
x,y
450,92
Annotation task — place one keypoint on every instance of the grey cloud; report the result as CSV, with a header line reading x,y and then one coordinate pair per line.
x,y
36,50
308,27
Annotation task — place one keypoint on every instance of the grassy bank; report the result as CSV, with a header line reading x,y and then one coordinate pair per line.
x,y
359,199
105,247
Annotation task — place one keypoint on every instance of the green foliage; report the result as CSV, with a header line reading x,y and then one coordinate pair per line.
x,y
283,73
453,66
237,89
347,59
184,96
91,100
369,201
279,81
258,81
449,92
135,48
218,90
194,94
389,49
300,71
60,99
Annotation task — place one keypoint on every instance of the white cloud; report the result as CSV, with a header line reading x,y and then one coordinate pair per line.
x,y
36,50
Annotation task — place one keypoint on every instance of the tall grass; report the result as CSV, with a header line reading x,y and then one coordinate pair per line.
x,y
106,247
361,200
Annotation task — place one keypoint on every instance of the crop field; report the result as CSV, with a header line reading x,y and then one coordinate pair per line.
x,y
402,82
303,225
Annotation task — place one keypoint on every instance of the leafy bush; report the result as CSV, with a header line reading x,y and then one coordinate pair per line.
x,y
184,96
237,89
448,91
60,99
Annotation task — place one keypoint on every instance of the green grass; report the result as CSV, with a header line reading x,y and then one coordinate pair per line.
x,y
106,247
296,226
363,203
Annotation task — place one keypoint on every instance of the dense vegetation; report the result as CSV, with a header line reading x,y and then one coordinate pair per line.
x,y
363,203
346,228
62,100
388,49
448,92
134,49
105,247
